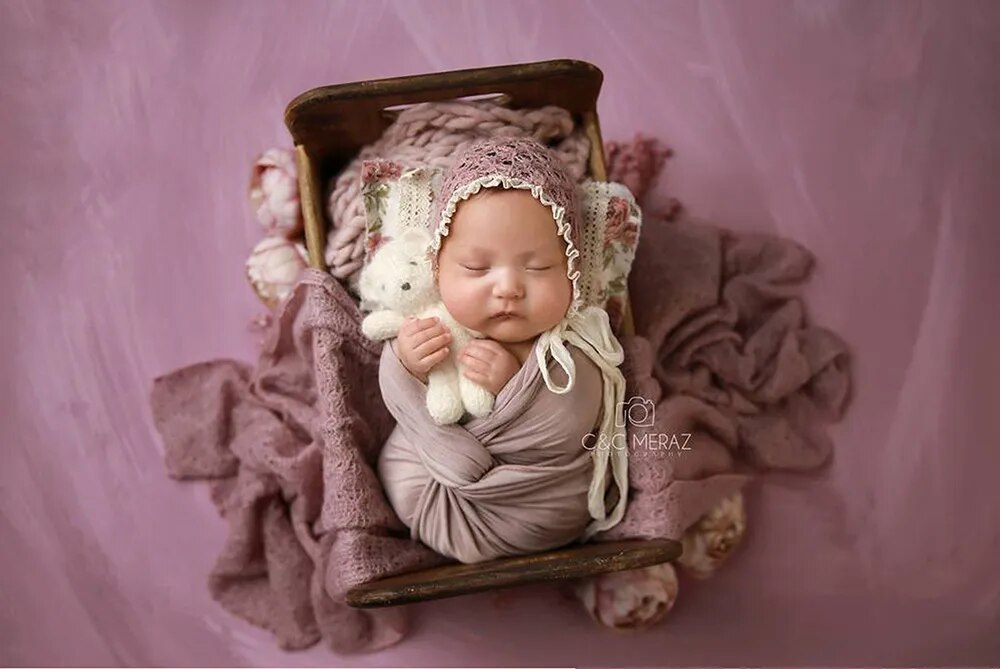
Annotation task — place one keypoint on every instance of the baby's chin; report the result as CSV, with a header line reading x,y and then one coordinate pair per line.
x,y
510,331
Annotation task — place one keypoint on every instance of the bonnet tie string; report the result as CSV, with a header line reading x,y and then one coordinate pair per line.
x,y
590,331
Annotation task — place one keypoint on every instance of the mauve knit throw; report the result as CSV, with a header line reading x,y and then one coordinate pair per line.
x,y
723,350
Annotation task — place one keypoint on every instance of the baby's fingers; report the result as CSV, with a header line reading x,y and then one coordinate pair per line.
x,y
428,361
475,364
490,345
433,344
475,350
477,377
414,326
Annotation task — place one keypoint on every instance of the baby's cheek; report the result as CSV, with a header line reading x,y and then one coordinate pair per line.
x,y
458,298
558,295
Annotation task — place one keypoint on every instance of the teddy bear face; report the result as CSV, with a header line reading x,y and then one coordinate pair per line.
x,y
398,276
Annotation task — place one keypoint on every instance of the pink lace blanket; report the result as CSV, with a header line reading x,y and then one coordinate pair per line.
x,y
731,375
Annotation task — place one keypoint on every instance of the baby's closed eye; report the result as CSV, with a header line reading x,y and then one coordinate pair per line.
x,y
475,267
536,267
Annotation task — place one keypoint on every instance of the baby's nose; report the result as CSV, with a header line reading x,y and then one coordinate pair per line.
x,y
508,285
406,286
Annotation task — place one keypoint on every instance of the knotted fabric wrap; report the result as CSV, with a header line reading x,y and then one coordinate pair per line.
x,y
511,483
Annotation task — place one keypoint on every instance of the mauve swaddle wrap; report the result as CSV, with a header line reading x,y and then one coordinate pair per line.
x,y
514,482
453,501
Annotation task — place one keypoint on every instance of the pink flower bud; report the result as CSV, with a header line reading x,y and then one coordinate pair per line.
x,y
630,600
709,542
274,192
274,267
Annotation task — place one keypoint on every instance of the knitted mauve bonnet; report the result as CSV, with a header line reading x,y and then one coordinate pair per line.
x,y
513,162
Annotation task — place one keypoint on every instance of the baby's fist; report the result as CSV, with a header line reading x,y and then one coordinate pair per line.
x,y
421,344
489,364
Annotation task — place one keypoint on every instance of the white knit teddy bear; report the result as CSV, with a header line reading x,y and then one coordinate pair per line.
x,y
398,279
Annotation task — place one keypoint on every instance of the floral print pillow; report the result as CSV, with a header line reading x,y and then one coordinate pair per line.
x,y
377,177
611,225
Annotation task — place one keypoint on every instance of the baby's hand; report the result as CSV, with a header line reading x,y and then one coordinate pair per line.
x,y
489,364
421,344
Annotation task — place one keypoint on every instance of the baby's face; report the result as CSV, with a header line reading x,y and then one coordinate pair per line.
x,y
503,255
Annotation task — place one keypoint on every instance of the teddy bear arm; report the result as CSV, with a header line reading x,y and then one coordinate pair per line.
x,y
444,399
478,400
383,324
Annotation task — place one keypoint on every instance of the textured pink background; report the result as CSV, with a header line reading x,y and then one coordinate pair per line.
x,y
867,131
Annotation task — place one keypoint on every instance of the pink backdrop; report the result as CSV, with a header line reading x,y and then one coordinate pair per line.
x,y
867,131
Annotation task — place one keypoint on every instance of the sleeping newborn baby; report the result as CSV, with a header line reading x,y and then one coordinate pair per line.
x,y
520,480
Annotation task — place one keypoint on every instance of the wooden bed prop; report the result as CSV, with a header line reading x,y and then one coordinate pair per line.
x,y
329,125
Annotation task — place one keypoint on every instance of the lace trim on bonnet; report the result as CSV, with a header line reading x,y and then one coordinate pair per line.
x,y
588,328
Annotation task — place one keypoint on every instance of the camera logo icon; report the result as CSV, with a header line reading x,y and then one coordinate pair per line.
x,y
637,411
